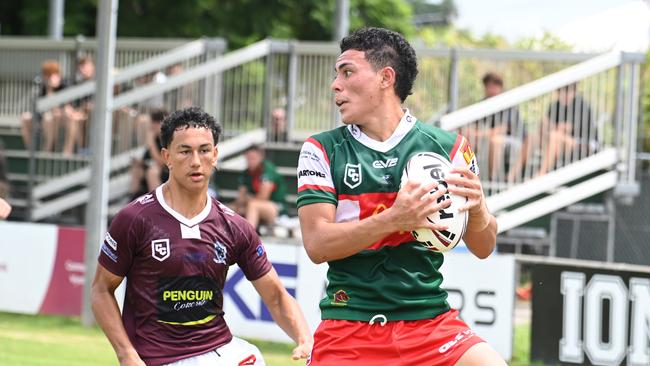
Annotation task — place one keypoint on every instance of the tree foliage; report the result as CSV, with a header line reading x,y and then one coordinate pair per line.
x,y
239,22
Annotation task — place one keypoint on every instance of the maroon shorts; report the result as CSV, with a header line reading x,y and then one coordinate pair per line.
x,y
439,341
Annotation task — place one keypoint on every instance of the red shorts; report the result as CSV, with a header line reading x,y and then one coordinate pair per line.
x,y
440,341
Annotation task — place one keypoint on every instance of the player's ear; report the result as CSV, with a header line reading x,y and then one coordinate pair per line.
x,y
165,155
216,155
387,77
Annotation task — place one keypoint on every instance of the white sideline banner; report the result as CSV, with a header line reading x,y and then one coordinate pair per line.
x,y
244,311
484,293
27,255
483,290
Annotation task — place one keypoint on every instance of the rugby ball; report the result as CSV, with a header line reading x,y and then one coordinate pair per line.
x,y
426,167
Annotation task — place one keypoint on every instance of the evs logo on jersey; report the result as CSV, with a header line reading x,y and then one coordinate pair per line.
x,y
352,177
388,163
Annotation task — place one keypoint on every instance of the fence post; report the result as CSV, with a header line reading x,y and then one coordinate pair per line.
x,y
268,92
211,88
627,120
31,169
291,88
452,89
78,42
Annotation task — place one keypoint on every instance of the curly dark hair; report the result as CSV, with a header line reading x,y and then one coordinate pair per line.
x,y
383,47
186,118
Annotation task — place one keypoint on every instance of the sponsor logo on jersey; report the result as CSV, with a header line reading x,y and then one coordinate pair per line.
x,y
190,300
388,163
250,360
220,252
310,173
160,249
145,199
341,298
187,295
458,339
409,118
352,177
108,253
468,154
108,239
260,250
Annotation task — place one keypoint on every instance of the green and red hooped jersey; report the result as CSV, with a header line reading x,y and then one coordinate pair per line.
x,y
396,276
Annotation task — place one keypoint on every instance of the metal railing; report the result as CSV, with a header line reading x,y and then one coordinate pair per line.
x,y
21,58
131,122
447,79
570,125
241,88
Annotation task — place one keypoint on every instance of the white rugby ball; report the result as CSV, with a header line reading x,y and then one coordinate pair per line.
x,y
424,168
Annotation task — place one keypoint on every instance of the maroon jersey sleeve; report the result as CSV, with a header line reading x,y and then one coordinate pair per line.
x,y
117,250
251,257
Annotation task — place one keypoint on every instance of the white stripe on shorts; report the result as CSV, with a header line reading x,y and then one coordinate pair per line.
x,y
237,352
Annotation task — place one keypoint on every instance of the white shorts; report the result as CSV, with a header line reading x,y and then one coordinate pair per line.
x,y
236,353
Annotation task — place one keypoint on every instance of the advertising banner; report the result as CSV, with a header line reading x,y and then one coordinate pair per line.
x,y
41,268
483,291
587,313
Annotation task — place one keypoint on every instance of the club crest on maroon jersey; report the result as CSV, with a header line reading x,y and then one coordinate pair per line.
x,y
160,249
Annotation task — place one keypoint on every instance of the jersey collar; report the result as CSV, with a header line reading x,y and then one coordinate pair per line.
x,y
182,219
405,125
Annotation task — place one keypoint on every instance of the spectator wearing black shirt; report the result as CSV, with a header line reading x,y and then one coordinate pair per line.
x,y
568,124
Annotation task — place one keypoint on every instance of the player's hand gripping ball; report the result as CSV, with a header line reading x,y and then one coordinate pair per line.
x,y
426,167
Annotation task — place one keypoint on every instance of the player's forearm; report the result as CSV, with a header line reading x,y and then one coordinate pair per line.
x,y
331,241
107,314
481,238
289,317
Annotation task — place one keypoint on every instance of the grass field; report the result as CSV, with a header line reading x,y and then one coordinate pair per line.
x,y
27,340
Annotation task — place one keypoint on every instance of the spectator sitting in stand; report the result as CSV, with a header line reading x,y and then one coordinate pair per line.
x,y
570,127
82,110
51,82
262,190
502,132
279,125
150,171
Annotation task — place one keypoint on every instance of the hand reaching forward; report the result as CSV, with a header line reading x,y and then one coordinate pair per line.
x,y
302,351
414,202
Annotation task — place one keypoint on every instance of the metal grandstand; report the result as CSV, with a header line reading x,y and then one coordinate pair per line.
x,y
242,87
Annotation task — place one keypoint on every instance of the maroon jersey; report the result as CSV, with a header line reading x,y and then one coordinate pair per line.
x,y
176,270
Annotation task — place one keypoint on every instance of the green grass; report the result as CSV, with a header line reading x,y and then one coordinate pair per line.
x,y
28,340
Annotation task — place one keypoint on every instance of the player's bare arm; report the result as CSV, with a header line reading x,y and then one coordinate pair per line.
x,y
107,314
481,226
286,312
326,240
